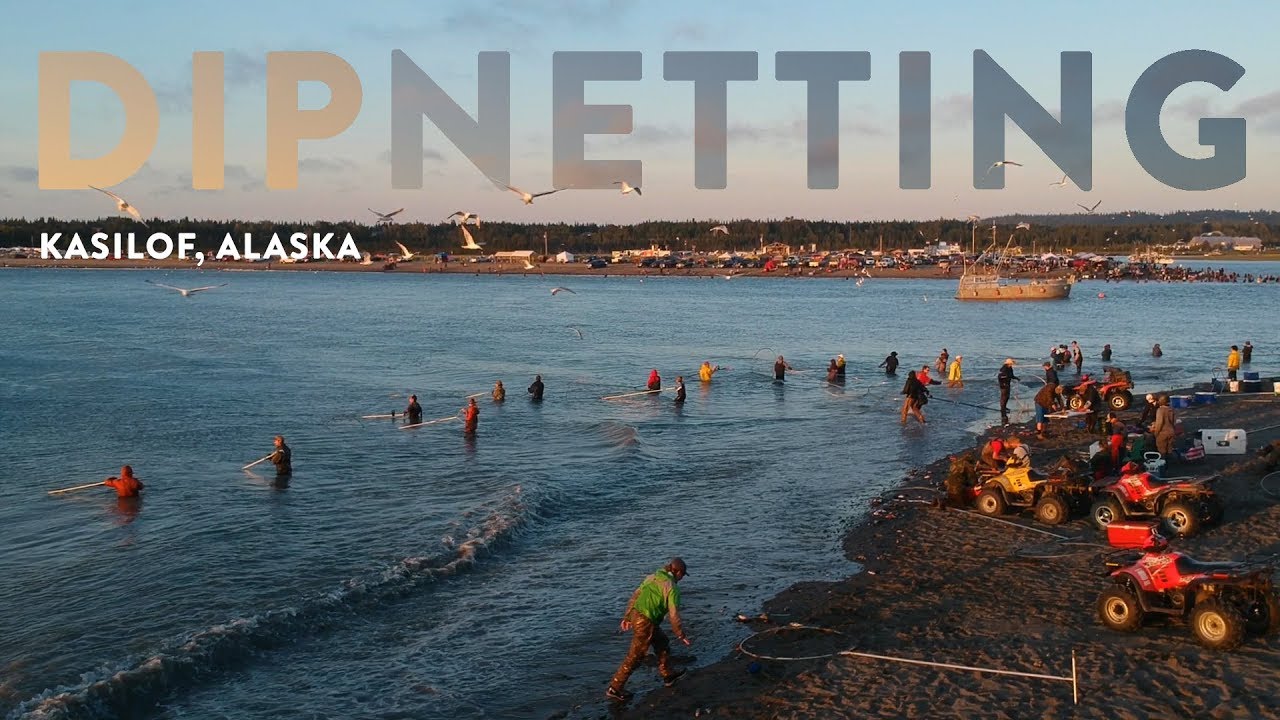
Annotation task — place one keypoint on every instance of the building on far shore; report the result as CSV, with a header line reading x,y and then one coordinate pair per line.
x,y
513,256
1226,242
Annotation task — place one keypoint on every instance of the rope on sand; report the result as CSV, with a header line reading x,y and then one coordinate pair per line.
x,y
1263,484
742,647
1006,522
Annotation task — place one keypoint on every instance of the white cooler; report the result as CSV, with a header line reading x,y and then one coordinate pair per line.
x,y
1224,442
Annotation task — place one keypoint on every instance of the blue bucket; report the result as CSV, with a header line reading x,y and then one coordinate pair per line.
x,y
1180,401
1206,398
1250,376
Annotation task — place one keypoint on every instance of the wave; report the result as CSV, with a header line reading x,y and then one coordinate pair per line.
x,y
618,434
138,685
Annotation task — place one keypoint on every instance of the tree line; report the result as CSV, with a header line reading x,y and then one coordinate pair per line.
x,y
1103,233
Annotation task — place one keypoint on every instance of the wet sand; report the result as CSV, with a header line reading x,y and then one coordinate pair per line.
x,y
943,586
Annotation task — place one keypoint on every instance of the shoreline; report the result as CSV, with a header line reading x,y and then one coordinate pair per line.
x,y
940,585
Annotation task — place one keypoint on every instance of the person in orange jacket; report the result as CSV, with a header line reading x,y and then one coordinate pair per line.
x,y
470,417
126,486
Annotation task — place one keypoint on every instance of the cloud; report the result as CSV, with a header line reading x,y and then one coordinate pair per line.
x,y
1109,112
954,110
428,154
232,175
20,174
326,165
694,32
240,69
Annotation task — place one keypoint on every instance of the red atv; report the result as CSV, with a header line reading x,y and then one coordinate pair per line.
x,y
1114,391
1221,601
1183,505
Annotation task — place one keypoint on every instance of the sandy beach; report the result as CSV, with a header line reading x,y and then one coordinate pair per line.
x,y
944,586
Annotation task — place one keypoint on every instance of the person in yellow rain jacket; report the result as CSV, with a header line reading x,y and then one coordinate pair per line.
x,y
706,371
955,376
1233,362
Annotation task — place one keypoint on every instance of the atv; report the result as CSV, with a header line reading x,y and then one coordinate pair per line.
x,y
1221,601
1115,391
1183,505
1053,498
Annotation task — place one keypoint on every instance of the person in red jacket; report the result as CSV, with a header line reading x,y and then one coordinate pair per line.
x,y
470,417
126,486
655,381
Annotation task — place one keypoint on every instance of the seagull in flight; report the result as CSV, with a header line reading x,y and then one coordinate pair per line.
x,y
187,292
1089,209
123,205
464,217
721,229
627,188
556,290
1002,163
1023,226
1060,183
366,258
529,266
974,218
405,254
528,197
386,217
470,243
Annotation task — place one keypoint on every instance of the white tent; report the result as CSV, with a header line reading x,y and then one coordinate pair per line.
x,y
564,257
513,255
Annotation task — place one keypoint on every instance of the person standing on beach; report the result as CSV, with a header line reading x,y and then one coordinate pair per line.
x,y
282,458
890,364
470,418
655,380
1246,354
536,388
126,486
680,394
1106,353
657,597
1163,427
413,413
499,392
1233,362
780,369
1005,379
1046,401
706,371
955,375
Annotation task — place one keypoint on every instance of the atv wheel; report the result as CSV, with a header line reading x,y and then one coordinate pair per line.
x,y
1119,610
1120,401
990,502
1051,510
1217,626
1180,518
1075,402
1262,614
1105,512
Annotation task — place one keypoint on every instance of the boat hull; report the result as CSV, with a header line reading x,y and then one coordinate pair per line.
x,y
1001,290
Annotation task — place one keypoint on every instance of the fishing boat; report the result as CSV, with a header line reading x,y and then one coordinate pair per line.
x,y
1150,257
979,282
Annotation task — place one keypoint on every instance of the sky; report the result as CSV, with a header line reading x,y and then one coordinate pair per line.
x,y
342,176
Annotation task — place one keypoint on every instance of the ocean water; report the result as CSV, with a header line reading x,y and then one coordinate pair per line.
x,y
415,574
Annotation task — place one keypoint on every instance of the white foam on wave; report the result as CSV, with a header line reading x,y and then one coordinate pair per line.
x,y
134,686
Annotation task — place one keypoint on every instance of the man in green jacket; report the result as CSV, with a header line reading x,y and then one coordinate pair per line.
x,y
657,596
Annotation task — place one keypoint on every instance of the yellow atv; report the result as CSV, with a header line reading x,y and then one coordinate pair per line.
x,y
1054,498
